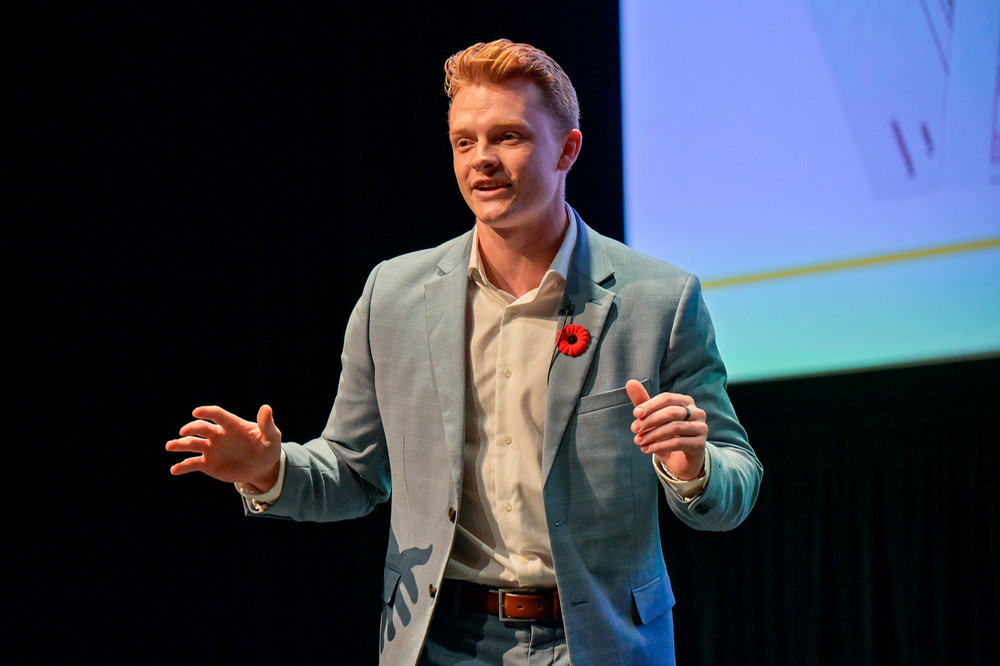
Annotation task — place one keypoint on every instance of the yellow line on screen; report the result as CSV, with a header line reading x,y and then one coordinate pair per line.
x,y
859,262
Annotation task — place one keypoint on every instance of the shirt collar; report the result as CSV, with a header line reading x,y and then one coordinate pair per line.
x,y
559,265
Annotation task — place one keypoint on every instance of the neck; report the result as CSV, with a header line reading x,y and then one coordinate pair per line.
x,y
515,260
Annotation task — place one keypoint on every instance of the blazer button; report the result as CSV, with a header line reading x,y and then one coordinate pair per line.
x,y
432,590
452,513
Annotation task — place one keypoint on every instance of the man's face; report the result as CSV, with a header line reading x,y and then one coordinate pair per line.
x,y
510,158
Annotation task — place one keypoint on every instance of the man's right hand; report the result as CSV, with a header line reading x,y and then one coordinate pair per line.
x,y
231,449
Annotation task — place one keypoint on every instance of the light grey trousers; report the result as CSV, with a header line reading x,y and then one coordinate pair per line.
x,y
478,639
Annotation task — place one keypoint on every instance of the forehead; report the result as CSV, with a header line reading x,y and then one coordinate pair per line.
x,y
517,99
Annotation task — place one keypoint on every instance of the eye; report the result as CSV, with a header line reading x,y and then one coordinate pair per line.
x,y
462,144
510,136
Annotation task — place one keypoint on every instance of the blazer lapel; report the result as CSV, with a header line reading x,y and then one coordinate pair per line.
x,y
444,298
590,304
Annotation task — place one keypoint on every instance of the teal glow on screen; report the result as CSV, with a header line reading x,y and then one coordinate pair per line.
x,y
830,170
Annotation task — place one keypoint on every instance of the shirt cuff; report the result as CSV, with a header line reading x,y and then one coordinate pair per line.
x,y
261,502
686,490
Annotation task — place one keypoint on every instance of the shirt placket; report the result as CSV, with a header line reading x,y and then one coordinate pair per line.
x,y
508,504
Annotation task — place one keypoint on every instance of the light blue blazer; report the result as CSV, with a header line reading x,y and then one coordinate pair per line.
x,y
396,432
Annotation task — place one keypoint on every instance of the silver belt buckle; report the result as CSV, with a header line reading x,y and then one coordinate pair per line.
x,y
503,592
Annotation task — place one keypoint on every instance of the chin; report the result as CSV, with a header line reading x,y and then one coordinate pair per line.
x,y
501,221
494,217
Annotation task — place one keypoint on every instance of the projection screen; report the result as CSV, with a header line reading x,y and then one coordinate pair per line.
x,y
830,170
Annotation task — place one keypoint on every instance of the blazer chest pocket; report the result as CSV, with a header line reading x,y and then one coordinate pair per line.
x,y
600,441
608,399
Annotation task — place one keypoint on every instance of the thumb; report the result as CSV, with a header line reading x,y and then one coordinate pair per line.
x,y
265,424
636,392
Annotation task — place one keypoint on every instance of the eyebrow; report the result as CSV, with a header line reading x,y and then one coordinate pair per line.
x,y
502,125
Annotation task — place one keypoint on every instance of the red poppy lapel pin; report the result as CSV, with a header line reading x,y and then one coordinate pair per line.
x,y
573,340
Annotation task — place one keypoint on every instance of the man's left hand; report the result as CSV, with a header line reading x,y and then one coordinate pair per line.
x,y
672,428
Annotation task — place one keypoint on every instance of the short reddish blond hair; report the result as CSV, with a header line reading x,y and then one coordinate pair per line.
x,y
502,60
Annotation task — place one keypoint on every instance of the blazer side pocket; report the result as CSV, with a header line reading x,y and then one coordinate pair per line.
x,y
653,599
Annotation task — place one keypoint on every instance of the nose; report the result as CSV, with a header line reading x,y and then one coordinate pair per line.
x,y
486,160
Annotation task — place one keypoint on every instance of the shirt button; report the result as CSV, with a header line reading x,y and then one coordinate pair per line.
x,y
506,373
432,590
452,513
506,440
507,507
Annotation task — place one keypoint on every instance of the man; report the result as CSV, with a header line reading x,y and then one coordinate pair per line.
x,y
497,388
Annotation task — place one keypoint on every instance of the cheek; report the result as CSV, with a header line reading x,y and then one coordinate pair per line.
x,y
530,173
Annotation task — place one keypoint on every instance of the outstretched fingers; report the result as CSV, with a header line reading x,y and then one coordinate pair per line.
x,y
203,429
192,464
217,415
187,445
229,448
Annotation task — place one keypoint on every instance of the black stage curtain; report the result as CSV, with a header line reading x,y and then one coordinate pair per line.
x,y
874,540
199,190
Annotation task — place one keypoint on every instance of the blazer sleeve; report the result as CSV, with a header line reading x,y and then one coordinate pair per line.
x,y
692,366
344,473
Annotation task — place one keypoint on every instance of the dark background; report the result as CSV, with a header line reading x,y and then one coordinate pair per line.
x,y
198,192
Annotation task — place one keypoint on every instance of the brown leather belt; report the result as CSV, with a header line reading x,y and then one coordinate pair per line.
x,y
508,604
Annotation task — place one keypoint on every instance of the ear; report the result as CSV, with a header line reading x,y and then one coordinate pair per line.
x,y
570,149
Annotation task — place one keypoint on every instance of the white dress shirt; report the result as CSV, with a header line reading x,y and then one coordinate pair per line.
x,y
502,536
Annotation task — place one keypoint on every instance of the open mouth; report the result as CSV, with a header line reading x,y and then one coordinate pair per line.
x,y
490,186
